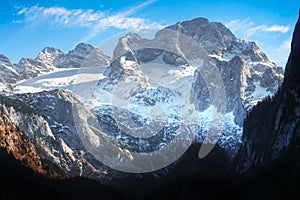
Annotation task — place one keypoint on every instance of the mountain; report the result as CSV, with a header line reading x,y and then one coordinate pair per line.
x,y
154,83
31,176
43,63
53,134
8,74
48,55
246,73
191,72
82,56
156,68
49,60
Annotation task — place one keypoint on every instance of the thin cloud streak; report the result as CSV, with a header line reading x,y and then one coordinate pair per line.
x,y
286,45
138,7
280,52
122,20
59,16
248,28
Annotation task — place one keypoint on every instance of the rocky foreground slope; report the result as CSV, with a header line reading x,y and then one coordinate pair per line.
x,y
18,144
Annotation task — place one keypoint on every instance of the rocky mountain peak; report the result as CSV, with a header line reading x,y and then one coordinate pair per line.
x,y
48,54
125,44
4,59
84,48
29,68
8,73
82,54
52,50
249,49
247,73
210,35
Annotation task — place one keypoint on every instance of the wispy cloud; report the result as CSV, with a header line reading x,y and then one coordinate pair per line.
x,y
277,28
122,20
59,16
286,45
277,51
280,52
248,28
96,21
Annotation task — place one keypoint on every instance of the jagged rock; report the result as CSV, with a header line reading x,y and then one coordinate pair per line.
x,y
17,143
48,55
8,73
210,35
42,116
84,55
43,63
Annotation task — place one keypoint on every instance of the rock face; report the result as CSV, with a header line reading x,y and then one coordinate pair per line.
x,y
43,63
42,116
18,144
84,55
8,73
212,36
273,127
48,55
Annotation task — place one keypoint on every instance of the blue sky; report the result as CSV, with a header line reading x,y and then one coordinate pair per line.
x,y
26,27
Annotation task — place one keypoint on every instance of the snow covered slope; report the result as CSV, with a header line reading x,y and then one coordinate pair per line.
x,y
63,78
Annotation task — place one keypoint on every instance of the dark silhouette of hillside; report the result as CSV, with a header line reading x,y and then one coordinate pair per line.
x,y
19,182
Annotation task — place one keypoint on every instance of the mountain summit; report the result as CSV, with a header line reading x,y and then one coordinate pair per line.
x,y
77,57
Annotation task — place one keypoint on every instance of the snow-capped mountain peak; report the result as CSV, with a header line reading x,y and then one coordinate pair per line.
x,y
82,56
247,73
48,55
8,73
210,35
